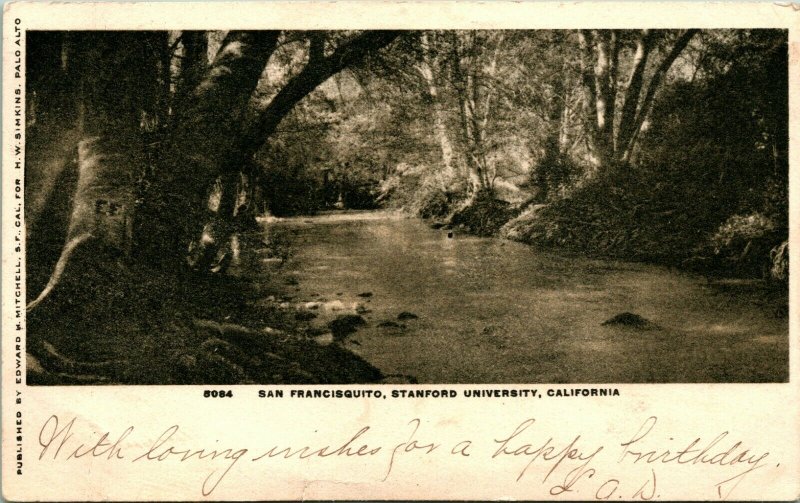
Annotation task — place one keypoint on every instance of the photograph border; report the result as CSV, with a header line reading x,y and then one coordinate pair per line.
x,y
761,417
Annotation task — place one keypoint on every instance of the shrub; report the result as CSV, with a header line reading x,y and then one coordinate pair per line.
x,y
292,193
739,230
360,195
426,191
485,215
435,205
551,174
749,245
626,212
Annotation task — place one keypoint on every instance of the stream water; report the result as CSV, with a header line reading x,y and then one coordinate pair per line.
x,y
494,311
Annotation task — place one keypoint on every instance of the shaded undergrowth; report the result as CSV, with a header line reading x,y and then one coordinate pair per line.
x,y
137,325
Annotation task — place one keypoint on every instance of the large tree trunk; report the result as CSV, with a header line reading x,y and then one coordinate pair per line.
x,y
425,69
613,139
208,252
204,144
117,69
52,138
210,139
193,64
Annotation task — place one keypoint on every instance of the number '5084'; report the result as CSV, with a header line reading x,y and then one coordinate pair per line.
x,y
213,393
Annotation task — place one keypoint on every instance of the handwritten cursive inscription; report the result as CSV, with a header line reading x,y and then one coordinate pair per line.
x,y
718,451
54,435
164,449
562,464
547,452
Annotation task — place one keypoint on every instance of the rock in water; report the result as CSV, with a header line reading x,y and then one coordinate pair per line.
x,y
390,324
632,320
345,325
304,315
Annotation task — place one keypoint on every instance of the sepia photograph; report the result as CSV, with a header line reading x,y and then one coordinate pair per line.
x,y
376,250
443,206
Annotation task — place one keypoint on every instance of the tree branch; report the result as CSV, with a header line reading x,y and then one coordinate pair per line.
x,y
316,49
228,80
655,82
634,88
586,40
314,74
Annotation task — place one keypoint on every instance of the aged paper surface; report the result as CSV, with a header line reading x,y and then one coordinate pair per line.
x,y
683,436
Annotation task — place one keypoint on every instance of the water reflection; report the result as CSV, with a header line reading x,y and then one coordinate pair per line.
x,y
496,311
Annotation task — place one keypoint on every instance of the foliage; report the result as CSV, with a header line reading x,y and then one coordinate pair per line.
x,y
741,228
485,214
424,191
707,186
780,262
291,191
616,215
552,174
743,244
360,195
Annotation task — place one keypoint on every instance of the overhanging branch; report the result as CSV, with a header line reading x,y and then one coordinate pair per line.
x,y
655,82
315,73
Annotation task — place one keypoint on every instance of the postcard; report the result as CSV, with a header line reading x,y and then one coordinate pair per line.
x,y
400,250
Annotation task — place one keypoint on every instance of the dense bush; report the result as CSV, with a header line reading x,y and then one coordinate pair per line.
x,y
656,219
551,174
425,191
485,215
436,206
360,194
292,192
439,204
745,245
604,219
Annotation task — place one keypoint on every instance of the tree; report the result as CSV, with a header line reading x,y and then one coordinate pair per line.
x,y
118,87
544,102
719,144
208,133
614,133
473,67
246,138
426,66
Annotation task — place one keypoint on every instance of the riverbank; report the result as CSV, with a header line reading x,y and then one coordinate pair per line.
x,y
495,311
378,297
239,328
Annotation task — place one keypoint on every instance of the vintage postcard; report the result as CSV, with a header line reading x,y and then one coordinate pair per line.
x,y
385,250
